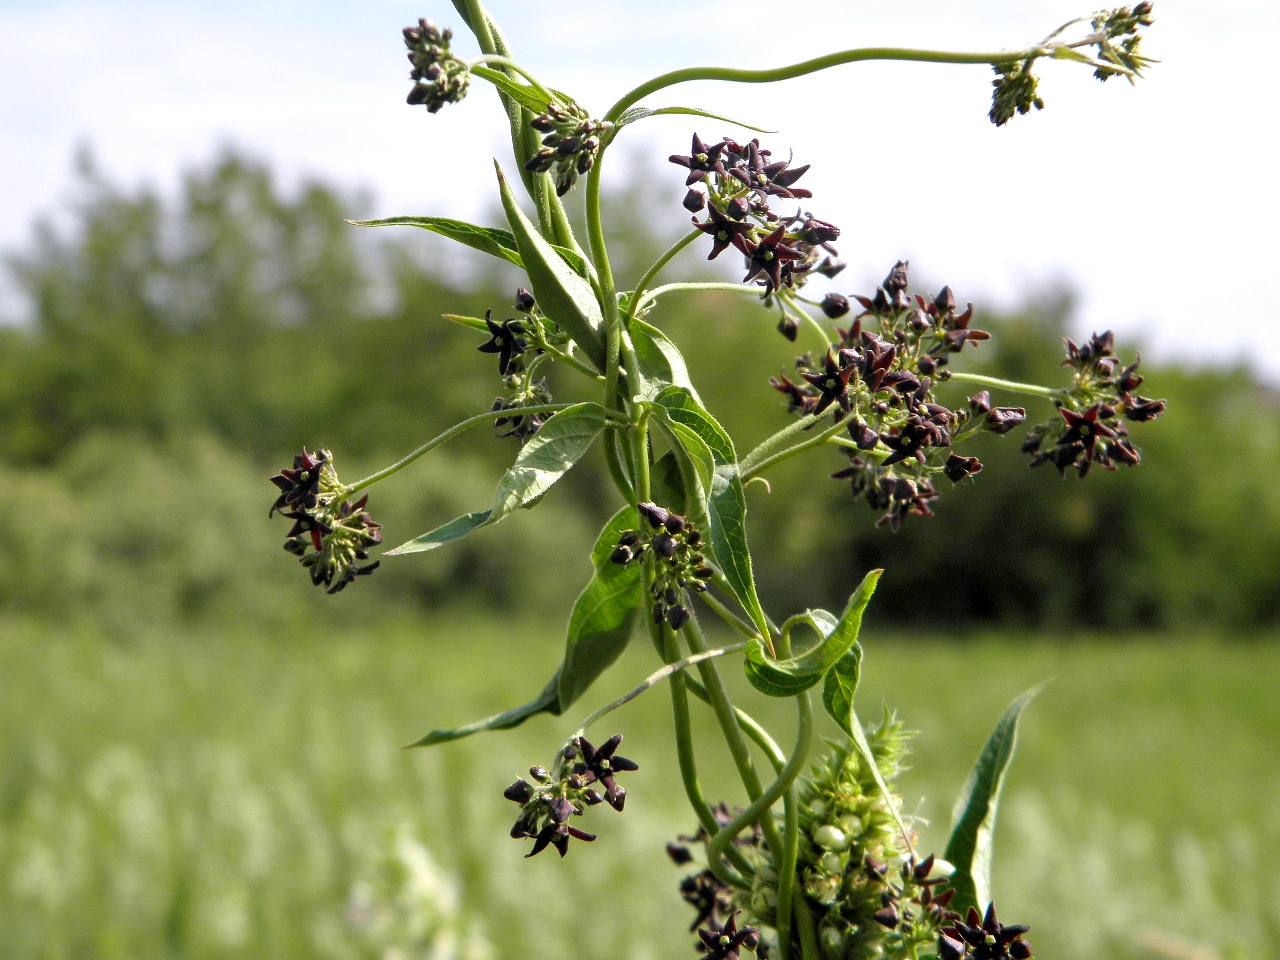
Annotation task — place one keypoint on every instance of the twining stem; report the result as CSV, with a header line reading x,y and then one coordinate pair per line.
x,y
653,679
738,749
653,271
757,733
736,75
1013,386
760,811
817,440
449,434
666,641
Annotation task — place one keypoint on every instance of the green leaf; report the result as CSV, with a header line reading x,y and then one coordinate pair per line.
x,y
661,363
521,93
548,455
841,685
639,113
695,462
683,406
573,259
600,627
726,500
451,531
490,240
973,820
665,485
544,702
604,615
786,678
562,295
727,513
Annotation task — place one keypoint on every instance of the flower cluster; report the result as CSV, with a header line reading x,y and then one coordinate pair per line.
x,y
521,346
882,373
1090,425
438,76
547,804
739,181
331,535
678,565
983,938
570,142
1013,91
1119,40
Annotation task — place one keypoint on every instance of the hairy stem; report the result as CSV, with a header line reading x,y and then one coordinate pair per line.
x,y
449,434
654,294
817,440
1031,389
662,261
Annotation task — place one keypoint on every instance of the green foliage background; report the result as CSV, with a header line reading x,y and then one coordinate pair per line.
x,y
198,750
181,349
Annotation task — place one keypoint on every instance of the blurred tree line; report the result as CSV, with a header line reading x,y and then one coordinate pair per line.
x,y
180,350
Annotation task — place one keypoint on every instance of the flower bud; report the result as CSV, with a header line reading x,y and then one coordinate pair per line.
x,y
789,327
835,306
694,201
830,838
524,300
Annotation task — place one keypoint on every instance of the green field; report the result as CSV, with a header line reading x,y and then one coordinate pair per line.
x,y
243,795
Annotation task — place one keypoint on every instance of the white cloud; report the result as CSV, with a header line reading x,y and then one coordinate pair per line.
x,y
1157,202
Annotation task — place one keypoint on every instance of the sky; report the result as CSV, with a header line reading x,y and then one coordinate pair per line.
x,y
1158,203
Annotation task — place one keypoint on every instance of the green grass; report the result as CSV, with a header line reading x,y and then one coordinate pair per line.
x,y
241,795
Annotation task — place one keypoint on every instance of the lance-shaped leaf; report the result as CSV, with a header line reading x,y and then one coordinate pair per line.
x,y
600,627
661,363
490,240
604,615
521,93
547,456
786,678
726,502
639,113
543,460
973,820
695,463
562,294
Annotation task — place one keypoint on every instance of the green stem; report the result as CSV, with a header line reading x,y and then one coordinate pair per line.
x,y
665,640
1031,389
816,440
511,65
759,811
616,470
653,271
794,70
674,287
642,457
728,616
759,736
449,434
653,680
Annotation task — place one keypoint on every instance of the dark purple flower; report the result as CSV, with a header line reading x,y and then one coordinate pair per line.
x,y
599,764
832,384
504,340
724,232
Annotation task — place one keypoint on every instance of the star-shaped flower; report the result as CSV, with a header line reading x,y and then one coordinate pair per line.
x,y
725,231
770,256
833,384
504,340
599,764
